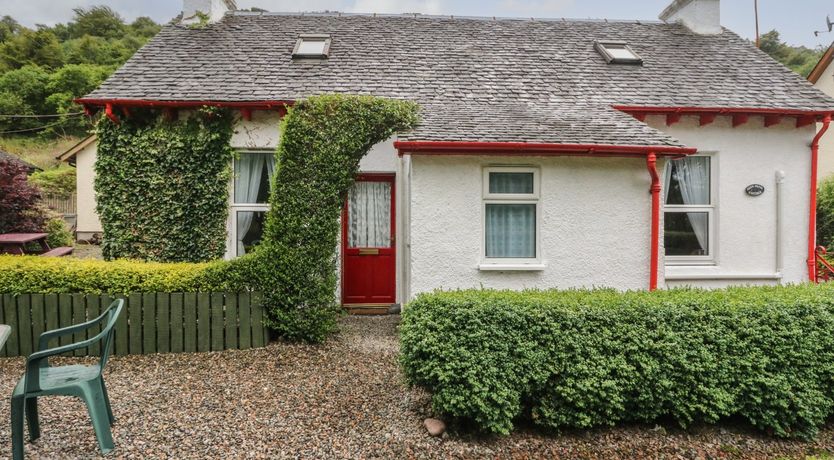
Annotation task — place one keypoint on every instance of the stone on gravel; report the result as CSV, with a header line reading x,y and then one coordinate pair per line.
x,y
434,426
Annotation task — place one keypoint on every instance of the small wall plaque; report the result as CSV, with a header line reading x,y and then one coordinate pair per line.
x,y
754,189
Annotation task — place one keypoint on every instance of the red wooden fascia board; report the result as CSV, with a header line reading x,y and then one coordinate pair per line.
x,y
740,115
719,110
672,118
536,149
740,119
706,118
772,120
250,105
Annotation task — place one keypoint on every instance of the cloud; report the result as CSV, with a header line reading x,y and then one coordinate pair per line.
x,y
535,7
397,6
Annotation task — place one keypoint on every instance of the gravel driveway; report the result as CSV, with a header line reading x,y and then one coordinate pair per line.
x,y
339,400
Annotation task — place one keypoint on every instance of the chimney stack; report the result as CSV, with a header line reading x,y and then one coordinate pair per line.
x,y
213,10
700,16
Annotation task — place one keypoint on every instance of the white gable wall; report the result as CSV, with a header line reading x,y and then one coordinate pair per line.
x,y
746,226
826,159
87,221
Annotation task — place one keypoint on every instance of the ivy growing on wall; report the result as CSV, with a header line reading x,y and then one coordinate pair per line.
x,y
323,138
162,186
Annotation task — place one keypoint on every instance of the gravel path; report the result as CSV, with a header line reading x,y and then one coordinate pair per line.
x,y
344,399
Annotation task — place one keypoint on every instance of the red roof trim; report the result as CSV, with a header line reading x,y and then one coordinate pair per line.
x,y
535,149
261,105
650,110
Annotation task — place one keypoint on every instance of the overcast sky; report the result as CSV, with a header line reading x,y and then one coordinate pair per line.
x,y
796,19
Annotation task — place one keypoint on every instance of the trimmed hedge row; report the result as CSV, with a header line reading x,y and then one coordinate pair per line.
x,y
589,358
52,275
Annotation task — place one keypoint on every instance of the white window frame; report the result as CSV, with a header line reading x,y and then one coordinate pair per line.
x,y
503,263
231,244
710,209
602,48
323,38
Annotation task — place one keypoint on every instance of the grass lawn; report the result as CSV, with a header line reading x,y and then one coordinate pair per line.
x,y
38,151
343,399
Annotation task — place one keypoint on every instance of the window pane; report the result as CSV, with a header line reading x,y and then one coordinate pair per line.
x,y
511,182
250,225
686,233
620,52
687,181
311,46
511,230
252,174
369,215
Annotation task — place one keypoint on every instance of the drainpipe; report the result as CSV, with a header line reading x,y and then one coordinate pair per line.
x,y
780,179
812,214
651,163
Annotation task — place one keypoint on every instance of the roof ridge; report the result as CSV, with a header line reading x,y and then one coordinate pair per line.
x,y
440,16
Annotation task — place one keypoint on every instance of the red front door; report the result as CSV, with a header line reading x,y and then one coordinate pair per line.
x,y
368,250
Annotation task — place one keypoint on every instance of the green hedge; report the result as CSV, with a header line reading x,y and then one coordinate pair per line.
x,y
825,213
589,358
42,275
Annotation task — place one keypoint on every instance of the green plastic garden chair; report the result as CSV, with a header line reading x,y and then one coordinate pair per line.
x,y
85,382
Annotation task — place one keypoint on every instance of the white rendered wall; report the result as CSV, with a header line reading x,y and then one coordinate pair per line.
x,y
826,159
746,226
87,221
595,215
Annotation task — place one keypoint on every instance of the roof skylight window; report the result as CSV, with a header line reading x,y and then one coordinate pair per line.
x,y
617,53
312,46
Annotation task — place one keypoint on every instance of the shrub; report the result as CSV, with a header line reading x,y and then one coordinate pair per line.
x,y
589,358
42,275
59,234
825,213
20,209
59,182
323,138
162,186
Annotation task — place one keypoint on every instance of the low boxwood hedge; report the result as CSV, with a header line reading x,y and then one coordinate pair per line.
x,y
42,275
579,359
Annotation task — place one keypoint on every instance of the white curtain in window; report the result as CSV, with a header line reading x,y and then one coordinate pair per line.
x,y
693,179
249,170
511,230
509,182
369,215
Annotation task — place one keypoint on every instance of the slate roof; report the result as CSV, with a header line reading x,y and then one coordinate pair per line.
x,y
15,159
477,79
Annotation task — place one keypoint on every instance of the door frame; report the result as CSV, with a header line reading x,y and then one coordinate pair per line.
x,y
370,177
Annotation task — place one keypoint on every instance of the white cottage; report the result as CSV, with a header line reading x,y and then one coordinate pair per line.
x,y
551,153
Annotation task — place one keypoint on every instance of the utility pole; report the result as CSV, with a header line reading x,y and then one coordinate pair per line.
x,y
756,10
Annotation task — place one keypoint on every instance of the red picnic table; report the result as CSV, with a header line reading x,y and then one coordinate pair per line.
x,y
15,243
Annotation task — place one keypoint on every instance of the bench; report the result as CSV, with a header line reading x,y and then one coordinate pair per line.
x,y
58,252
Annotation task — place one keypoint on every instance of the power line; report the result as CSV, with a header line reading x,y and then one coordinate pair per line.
x,y
32,129
54,115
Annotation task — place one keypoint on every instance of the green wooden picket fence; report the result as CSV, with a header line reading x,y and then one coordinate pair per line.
x,y
155,322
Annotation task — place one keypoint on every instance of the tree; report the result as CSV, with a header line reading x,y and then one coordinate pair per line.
x,y
20,208
800,59
27,47
144,26
98,21
8,27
